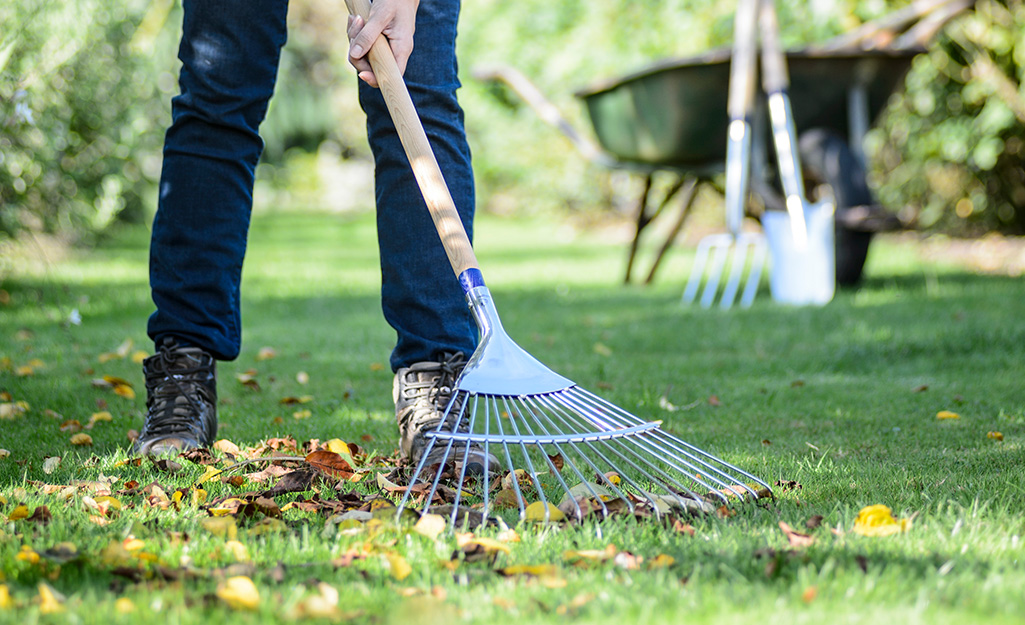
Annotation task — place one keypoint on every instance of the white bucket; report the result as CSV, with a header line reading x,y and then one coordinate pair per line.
x,y
805,276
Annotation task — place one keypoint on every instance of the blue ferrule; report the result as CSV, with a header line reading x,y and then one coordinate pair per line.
x,y
471,279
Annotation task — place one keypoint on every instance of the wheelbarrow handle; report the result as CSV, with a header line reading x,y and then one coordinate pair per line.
x,y
418,149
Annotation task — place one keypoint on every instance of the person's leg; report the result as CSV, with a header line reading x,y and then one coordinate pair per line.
x,y
420,295
229,52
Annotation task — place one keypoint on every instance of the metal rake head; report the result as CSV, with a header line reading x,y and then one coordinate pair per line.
x,y
558,445
742,255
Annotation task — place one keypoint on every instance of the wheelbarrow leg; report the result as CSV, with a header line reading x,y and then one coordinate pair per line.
x,y
689,193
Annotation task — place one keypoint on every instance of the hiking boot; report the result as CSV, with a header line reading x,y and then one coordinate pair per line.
x,y
181,400
422,393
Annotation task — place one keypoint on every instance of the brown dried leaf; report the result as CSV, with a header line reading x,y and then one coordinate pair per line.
x,y
330,463
795,538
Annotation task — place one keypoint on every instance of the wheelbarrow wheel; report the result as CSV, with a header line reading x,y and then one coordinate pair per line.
x,y
830,167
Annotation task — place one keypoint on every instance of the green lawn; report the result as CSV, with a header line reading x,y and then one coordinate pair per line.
x,y
838,403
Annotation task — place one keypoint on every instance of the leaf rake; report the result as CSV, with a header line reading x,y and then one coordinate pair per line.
x,y
524,414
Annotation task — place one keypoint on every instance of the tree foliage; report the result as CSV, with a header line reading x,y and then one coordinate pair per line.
x,y
85,88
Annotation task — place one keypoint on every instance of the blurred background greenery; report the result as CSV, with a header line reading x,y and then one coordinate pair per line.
x,y
85,90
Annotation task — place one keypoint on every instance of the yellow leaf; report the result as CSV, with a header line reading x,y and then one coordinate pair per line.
x,y
50,601
27,554
534,570
139,356
3,500
237,550
338,446
24,371
10,410
124,605
239,593
490,545
661,561
3,454
877,520
6,603
266,353
124,391
398,566
302,378
376,366
536,512
97,417
301,414
132,544
591,554
997,436
946,414
430,525
112,503
508,536
198,496
221,526
210,473
19,513
81,439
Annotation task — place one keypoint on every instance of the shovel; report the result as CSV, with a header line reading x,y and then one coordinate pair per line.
x,y
801,240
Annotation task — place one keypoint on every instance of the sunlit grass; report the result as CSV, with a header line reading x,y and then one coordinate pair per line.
x,y
841,401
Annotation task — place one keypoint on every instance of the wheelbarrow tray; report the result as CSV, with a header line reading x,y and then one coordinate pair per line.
x,y
673,114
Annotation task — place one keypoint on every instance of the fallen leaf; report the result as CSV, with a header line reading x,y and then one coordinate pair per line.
x,y
4,453
946,414
239,593
627,560
878,520
814,522
397,565
430,525
490,545
532,570
541,512
50,464
124,390
237,550
301,414
50,601
661,561
98,417
997,436
124,605
266,353
221,526
795,538
302,378
288,401
20,512
713,400
809,594
602,349
683,528
920,389
330,463
6,602
81,439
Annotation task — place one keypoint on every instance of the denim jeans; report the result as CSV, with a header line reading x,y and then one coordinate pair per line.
x,y
229,52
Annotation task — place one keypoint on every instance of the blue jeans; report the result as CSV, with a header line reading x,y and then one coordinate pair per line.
x,y
230,51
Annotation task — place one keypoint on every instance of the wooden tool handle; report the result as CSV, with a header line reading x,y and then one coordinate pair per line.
x,y
742,61
418,150
775,77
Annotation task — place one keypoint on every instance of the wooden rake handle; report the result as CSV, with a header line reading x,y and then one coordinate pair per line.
x,y
418,150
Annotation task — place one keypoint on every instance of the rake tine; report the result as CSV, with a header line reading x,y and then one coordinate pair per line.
x,y
486,484
526,458
423,461
655,467
691,451
520,502
704,464
462,469
568,459
555,470
605,459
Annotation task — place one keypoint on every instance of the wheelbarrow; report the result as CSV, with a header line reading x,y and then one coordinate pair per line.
x,y
671,117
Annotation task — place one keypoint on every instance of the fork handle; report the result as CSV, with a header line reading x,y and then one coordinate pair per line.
x,y
418,150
